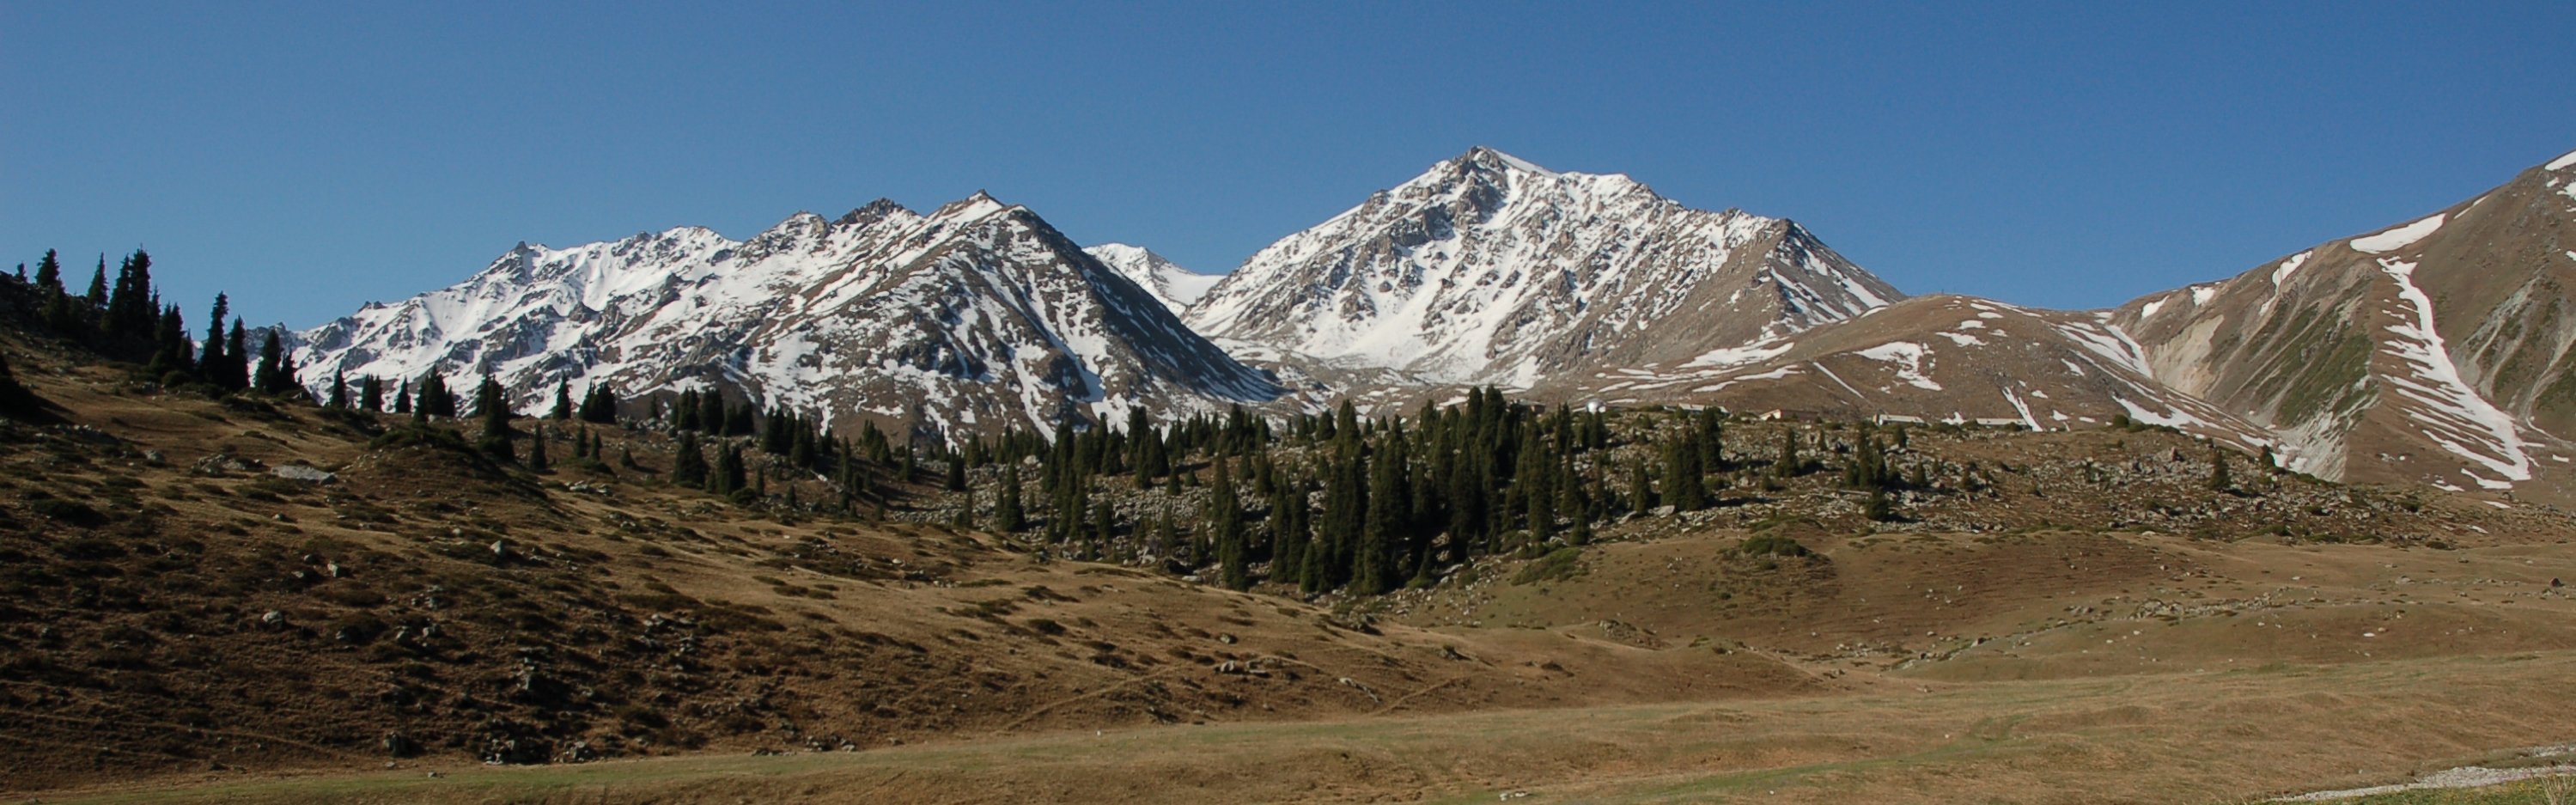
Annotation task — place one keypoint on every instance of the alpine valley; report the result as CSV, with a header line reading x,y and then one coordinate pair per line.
x,y
2436,351
1503,484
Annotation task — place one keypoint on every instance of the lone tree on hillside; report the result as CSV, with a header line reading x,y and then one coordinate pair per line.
x,y
493,408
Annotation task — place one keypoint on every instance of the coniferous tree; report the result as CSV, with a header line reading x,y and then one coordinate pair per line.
x,y
1388,525
1711,434
1103,531
956,474
1288,532
270,379
1790,464
59,310
599,405
433,399
236,364
1685,483
730,475
131,305
212,358
170,339
402,400
49,275
537,461
1878,508
1007,514
563,401
689,463
1225,524
493,407
96,299
371,394
2220,479
339,391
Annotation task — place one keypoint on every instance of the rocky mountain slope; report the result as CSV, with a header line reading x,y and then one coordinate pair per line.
x,y
1936,359
1490,269
1174,286
976,316
2435,351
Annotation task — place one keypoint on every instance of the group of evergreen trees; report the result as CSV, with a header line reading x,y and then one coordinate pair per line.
x,y
126,320
1335,501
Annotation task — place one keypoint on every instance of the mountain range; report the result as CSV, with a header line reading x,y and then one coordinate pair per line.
x,y
2435,351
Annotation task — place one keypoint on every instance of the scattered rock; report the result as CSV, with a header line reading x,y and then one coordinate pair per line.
x,y
272,618
219,464
299,472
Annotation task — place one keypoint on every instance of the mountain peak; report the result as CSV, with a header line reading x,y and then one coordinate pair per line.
x,y
1176,287
873,212
975,206
1489,268
1489,159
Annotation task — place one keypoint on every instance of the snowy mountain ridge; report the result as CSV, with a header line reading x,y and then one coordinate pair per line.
x,y
976,316
1490,269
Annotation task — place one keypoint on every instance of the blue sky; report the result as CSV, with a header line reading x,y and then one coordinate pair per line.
x,y
311,157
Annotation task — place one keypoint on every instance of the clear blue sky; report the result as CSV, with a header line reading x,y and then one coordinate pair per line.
x,y
311,157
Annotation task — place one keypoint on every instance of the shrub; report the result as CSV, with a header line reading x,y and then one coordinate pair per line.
x,y
1558,564
69,512
1771,545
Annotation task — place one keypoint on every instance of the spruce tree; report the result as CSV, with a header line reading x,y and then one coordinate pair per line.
x,y
537,461
49,276
269,379
1006,509
435,401
1225,523
493,407
236,364
1103,531
371,394
171,353
402,400
563,401
1685,485
2220,479
212,357
339,391
96,299
730,476
599,406
689,463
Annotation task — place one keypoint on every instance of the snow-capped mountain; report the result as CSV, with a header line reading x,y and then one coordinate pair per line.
x,y
1175,286
2436,350
1490,269
976,316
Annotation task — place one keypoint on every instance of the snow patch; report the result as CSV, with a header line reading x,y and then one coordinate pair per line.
x,y
2398,238
2561,163
1729,357
1908,357
2454,416
2031,421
